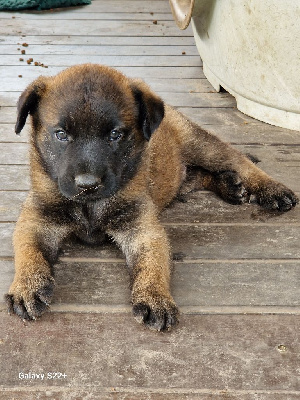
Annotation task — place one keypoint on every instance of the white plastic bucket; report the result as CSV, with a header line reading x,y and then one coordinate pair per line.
x,y
252,49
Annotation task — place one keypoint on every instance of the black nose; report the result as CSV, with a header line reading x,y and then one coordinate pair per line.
x,y
87,181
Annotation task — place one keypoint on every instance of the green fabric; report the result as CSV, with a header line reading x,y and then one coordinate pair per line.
x,y
46,4
15,5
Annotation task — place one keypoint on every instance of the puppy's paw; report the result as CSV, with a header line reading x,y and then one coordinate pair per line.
x,y
29,297
160,315
275,196
230,188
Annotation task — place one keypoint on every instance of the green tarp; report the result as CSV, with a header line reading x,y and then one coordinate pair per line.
x,y
15,5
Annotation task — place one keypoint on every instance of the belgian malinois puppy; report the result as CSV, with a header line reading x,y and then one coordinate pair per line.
x,y
106,156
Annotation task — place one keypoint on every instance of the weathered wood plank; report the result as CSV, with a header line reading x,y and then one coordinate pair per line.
x,y
14,153
99,49
14,177
198,100
236,241
7,134
193,285
218,116
10,205
84,14
204,352
256,132
236,284
280,162
65,60
145,394
207,208
103,28
7,275
82,40
9,99
12,82
6,233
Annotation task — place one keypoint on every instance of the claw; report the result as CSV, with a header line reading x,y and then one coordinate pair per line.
x,y
159,319
30,304
277,197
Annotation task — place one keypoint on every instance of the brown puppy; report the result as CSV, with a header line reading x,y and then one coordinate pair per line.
x,y
106,156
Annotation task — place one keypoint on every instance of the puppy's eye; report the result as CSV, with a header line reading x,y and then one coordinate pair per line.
x,y
61,135
115,135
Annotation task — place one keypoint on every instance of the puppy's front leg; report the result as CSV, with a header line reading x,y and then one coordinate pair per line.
x,y
147,252
36,244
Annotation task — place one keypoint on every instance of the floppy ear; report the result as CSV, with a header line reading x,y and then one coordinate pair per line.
x,y
28,102
150,107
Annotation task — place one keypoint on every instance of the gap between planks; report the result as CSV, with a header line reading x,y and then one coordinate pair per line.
x,y
96,260
278,224
147,390
184,310
244,224
64,259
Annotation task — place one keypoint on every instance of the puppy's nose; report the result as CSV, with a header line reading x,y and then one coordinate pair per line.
x,y
87,181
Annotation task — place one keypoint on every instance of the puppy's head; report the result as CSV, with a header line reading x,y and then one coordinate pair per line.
x,y
90,125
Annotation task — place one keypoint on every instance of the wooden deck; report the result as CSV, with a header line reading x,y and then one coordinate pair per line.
x,y
237,274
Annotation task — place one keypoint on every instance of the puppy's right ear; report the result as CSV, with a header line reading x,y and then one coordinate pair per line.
x,y
28,102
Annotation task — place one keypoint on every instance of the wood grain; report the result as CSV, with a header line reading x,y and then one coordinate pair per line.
x,y
205,352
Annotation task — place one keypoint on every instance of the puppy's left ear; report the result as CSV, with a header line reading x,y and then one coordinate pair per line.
x,y
150,107
28,102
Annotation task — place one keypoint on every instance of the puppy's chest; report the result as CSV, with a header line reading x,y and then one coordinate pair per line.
x,y
93,220
89,221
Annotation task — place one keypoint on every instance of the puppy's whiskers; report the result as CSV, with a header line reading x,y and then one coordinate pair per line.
x,y
84,190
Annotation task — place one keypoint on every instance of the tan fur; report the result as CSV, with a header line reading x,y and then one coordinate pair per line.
x,y
176,144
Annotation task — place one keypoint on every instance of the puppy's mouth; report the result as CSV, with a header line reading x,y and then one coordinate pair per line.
x,y
87,193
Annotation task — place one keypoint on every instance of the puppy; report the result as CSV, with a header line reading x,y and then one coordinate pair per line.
x,y
106,155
